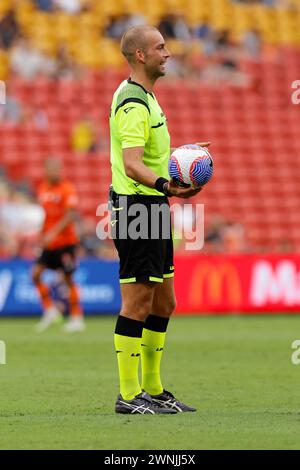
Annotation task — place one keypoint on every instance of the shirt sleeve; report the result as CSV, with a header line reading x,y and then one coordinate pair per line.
x,y
132,121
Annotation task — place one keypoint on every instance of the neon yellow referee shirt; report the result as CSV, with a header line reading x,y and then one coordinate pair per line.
x,y
136,120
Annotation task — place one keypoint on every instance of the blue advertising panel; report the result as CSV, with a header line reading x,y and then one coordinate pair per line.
x,y
97,279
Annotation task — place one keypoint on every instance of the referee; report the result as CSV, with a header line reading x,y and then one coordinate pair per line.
x,y
140,151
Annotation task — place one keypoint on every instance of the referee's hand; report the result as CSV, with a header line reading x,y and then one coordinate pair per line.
x,y
184,193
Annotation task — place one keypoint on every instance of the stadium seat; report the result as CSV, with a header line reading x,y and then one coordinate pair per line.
x,y
254,132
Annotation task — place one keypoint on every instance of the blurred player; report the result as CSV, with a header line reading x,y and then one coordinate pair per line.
x,y
58,242
140,151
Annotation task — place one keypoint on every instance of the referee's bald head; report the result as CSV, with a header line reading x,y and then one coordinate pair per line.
x,y
135,38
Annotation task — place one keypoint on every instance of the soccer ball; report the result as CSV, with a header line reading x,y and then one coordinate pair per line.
x,y
191,165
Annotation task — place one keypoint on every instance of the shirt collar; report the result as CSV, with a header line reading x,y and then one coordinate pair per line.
x,y
138,84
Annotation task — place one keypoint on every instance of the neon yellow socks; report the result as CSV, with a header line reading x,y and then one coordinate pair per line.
x,y
153,341
134,339
127,340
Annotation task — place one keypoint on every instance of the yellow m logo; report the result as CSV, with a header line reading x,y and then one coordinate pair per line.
x,y
214,278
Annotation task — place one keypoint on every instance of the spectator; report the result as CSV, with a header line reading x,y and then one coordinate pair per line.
x,y
222,64
91,245
181,29
89,241
233,238
167,27
4,188
224,236
72,7
252,43
37,117
223,40
180,65
214,235
225,72
119,24
83,137
20,219
8,243
44,5
206,35
65,65
203,31
174,26
9,30
29,62
115,27
285,246
131,20
12,111
175,67
20,213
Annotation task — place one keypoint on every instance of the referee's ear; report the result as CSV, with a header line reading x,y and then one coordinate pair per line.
x,y
140,56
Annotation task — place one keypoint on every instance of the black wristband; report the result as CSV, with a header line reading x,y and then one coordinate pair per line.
x,y
159,185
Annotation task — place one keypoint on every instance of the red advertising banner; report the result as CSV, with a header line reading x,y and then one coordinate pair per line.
x,y
237,283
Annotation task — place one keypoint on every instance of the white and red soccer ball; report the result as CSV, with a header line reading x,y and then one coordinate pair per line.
x,y
191,165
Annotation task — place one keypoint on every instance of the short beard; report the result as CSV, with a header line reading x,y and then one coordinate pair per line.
x,y
154,74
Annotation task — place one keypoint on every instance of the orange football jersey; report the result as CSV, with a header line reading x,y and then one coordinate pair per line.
x,y
55,200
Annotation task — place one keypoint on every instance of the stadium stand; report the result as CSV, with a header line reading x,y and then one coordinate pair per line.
x,y
252,124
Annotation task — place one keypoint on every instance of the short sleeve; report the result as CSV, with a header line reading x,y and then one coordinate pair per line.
x,y
132,121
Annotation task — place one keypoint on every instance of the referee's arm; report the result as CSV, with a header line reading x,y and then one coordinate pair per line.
x,y
138,171
134,131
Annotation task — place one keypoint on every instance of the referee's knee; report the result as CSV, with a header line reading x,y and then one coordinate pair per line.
x,y
165,309
139,314
137,310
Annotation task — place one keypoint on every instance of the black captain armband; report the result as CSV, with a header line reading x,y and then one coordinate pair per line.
x,y
161,185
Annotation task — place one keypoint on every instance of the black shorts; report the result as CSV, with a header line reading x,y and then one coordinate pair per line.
x,y
142,233
63,258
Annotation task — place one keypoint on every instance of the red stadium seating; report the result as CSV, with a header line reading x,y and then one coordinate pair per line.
x,y
254,135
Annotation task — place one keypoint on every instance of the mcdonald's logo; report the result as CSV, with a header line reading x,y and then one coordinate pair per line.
x,y
212,282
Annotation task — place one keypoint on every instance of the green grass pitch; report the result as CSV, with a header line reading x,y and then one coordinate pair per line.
x,y
58,391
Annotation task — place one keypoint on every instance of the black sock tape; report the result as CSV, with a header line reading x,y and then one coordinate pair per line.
x,y
156,323
128,327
